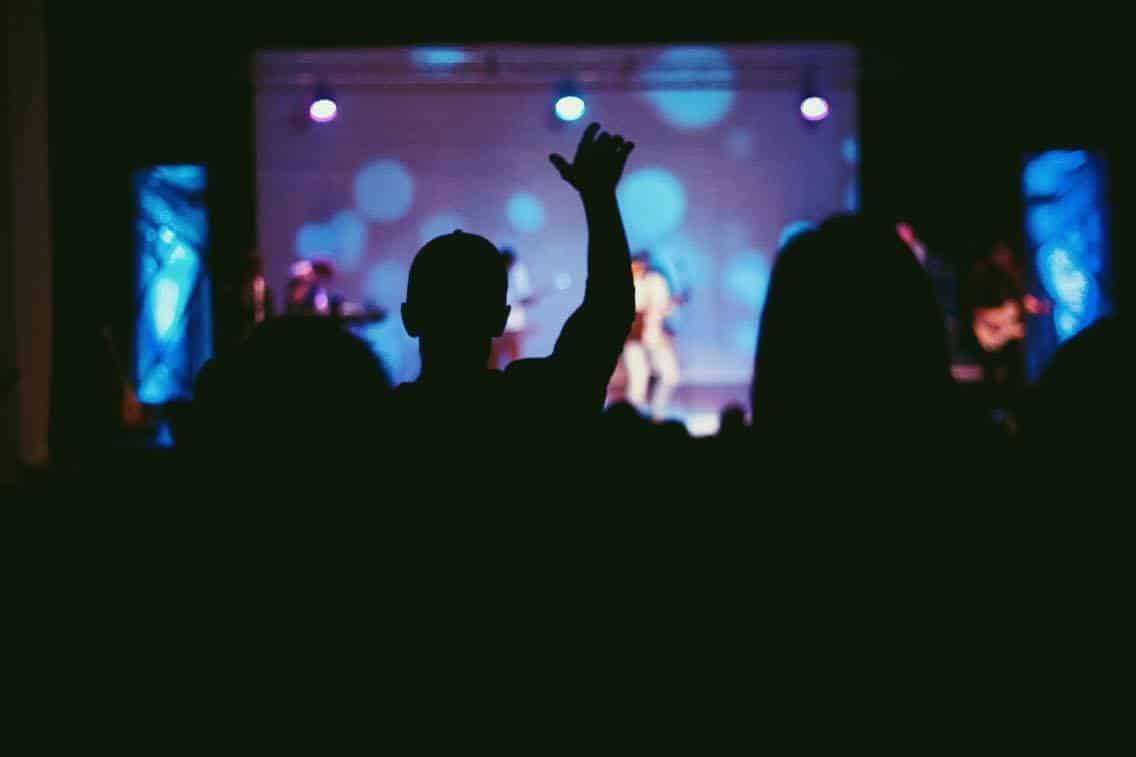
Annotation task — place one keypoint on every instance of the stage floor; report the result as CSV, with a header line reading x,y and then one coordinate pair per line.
x,y
699,407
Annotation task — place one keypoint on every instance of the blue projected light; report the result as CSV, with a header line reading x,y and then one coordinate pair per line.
x,y
791,230
525,212
350,236
743,337
1043,222
850,149
312,240
1071,284
439,57
852,197
189,178
385,283
1066,322
165,304
745,278
739,143
683,263
438,224
384,190
343,239
173,332
736,235
690,87
1049,173
1066,226
653,203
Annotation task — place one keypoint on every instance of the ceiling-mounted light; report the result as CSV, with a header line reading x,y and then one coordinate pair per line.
x,y
323,108
569,104
814,107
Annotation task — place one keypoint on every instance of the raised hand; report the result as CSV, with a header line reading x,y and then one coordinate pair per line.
x,y
598,163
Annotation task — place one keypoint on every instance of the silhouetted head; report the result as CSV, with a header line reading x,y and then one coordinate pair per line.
x,y
1078,404
851,336
733,419
300,385
509,256
455,299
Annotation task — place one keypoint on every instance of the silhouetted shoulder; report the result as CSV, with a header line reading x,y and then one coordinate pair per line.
x,y
532,368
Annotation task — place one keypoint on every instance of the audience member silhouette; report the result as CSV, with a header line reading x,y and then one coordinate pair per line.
x,y
732,421
456,304
1079,402
299,390
852,353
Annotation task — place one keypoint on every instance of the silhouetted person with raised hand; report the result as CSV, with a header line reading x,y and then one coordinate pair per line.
x,y
456,304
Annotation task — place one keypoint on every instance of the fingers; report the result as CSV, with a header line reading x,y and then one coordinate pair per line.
x,y
622,153
560,163
586,139
599,160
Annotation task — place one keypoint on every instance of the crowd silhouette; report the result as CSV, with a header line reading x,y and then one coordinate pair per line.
x,y
322,500
851,377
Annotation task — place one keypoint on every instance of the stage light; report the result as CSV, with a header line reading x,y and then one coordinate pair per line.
x,y
570,108
814,108
569,105
323,108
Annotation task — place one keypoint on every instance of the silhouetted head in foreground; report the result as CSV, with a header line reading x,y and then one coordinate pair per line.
x,y
298,385
1078,409
852,342
455,303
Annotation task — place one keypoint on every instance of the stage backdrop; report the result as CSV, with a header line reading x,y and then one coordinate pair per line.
x,y
428,140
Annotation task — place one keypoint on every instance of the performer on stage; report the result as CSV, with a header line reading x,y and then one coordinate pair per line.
x,y
996,302
649,349
510,345
307,292
942,277
254,296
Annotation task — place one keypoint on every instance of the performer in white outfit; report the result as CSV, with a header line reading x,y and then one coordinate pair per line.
x,y
649,349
